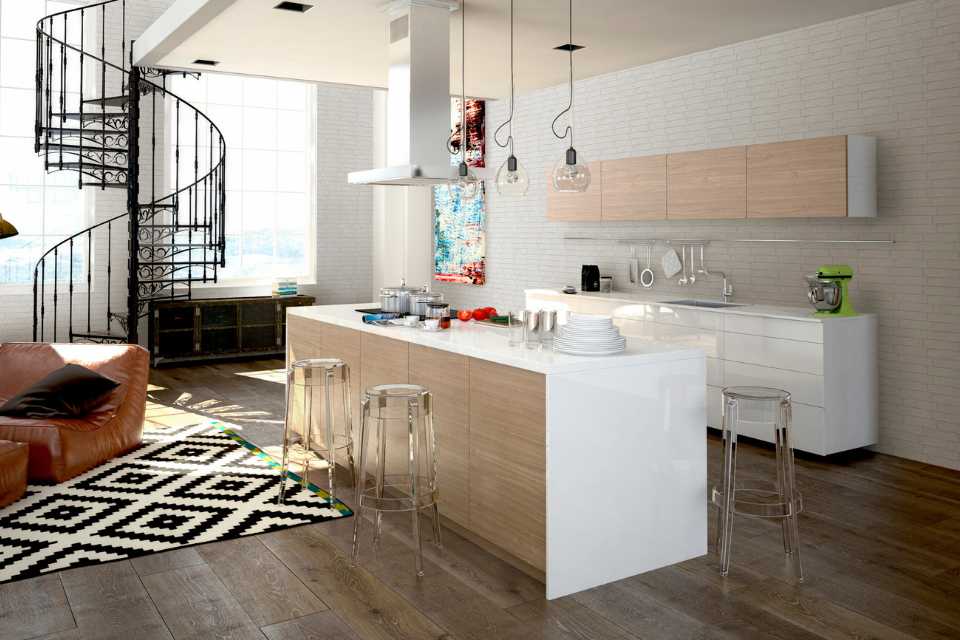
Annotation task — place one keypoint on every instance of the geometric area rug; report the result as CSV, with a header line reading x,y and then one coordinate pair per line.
x,y
184,486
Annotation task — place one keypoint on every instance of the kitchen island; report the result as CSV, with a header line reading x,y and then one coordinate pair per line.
x,y
579,470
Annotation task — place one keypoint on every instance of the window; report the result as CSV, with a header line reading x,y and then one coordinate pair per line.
x,y
45,207
268,126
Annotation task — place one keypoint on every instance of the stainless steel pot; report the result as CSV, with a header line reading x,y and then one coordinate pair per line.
x,y
420,302
397,299
824,295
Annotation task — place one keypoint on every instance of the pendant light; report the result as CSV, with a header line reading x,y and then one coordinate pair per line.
x,y
570,174
466,185
7,230
512,179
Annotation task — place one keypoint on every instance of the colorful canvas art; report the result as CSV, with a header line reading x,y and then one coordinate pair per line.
x,y
475,131
460,238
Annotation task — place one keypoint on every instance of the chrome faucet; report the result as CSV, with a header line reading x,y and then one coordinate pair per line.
x,y
727,291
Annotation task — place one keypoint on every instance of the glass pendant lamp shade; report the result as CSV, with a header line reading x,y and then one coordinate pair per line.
x,y
571,175
466,186
512,179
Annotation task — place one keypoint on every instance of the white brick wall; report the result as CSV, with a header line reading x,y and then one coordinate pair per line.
x,y
893,74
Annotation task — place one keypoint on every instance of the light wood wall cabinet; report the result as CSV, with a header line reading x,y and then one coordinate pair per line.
x,y
831,177
584,206
707,184
634,188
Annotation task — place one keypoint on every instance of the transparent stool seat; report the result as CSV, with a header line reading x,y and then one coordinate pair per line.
x,y
781,500
397,431
318,419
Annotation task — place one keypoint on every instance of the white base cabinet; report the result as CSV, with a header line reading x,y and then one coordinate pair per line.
x,y
829,365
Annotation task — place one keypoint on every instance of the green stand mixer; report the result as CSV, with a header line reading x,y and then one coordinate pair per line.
x,y
829,292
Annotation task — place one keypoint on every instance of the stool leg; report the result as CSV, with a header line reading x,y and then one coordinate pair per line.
x,y
432,444
724,435
285,463
306,441
413,435
348,421
729,487
380,471
331,441
358,516
791,489
781,457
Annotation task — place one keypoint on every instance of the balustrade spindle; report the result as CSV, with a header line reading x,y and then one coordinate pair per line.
x,y
70,323
46,156
38,83
109,268
103,92
89,274
43,295
56,264
176,173
80,137
63,96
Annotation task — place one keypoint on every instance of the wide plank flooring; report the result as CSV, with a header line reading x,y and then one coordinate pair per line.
x,y
880,543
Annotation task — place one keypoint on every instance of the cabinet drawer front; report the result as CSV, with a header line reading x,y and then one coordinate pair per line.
x,y
219,341
693,337
258,312
218,315
180,317
803,387
806,430
806,357
774,327
259,338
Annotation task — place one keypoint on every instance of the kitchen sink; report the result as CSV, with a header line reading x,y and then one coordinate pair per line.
x,y
709,304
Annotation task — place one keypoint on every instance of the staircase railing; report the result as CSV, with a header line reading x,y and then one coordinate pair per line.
x,y
175,233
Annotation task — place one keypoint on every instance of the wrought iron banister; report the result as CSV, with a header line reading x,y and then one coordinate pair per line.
x,y
103,146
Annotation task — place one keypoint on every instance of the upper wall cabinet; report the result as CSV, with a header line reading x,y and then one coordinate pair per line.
x,y
635,188
707,184
831,177
577,206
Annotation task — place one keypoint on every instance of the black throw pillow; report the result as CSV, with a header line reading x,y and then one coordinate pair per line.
x,y
69,392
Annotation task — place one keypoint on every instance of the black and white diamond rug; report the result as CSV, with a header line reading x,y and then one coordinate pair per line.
x,y
184,486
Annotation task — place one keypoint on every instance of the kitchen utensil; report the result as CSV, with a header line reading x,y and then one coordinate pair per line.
x,y
828,290
548,326
432,324
570,290
515,329
671,263
397,299
531,328
590,277
645,277
589,335
693,276
606,284
439,311
633,267
420,301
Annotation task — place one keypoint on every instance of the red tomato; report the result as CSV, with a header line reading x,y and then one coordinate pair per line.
x,y
464,314
491,311
479,314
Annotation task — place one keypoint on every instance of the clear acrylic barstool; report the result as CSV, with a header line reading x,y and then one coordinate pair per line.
x,y
408,410
784,502
321,424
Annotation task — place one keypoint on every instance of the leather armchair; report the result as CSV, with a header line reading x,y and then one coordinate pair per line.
x,y
61,448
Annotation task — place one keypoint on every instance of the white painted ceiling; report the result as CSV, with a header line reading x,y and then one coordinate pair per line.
x,y
344,41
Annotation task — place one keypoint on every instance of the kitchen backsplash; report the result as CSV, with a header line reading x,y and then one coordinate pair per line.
x,y
893,74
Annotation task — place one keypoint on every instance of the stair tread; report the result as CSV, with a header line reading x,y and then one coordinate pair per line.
x,y
88,165
108,185
90,115
112,101
78,130
92,148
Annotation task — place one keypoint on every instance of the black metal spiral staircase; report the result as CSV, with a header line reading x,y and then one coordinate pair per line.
x,y
117,126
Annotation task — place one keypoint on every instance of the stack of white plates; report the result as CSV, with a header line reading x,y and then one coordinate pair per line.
x,y
589,335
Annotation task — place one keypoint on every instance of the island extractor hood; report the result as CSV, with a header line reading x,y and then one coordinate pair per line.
x,y
418,97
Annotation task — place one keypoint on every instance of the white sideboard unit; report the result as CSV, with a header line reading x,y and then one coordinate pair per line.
x,y
828,364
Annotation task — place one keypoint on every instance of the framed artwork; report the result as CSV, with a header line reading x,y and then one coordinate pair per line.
x,y
476,131
459,238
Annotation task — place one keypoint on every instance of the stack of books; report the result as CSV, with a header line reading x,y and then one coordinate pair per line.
x,y
285,288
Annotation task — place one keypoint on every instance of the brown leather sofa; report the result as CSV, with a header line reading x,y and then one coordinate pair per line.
x,y
13,471
61,448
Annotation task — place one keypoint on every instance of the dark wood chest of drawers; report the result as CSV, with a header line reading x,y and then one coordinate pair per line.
x,y
214,328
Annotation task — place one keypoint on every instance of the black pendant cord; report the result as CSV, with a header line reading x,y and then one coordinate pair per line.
x,y
509,121
570,47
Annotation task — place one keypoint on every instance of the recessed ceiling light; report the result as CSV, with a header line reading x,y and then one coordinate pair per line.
x,y
569,47
299,7
209,63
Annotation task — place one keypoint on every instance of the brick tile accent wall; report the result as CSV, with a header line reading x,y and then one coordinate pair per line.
x,y
893,74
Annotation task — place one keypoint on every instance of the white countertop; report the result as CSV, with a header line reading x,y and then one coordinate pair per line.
x,y
644,297
490,343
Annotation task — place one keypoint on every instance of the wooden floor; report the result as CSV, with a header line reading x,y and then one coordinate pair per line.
x,y
880,544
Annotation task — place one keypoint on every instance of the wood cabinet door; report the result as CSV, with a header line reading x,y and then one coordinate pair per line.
x,y
635,188
797,179
508,459
387,361
707,184
584,206
445,375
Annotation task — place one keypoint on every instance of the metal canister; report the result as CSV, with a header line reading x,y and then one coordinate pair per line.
x,y
548,325
419,302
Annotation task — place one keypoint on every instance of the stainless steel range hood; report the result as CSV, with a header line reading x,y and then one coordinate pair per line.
x,y
418,97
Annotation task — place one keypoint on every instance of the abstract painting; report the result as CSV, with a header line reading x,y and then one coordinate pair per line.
x,y
476,132
460,238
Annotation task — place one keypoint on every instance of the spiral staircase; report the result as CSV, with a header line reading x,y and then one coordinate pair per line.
x,y
121,131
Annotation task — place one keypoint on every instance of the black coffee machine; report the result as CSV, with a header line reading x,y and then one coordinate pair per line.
x,y
590,277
